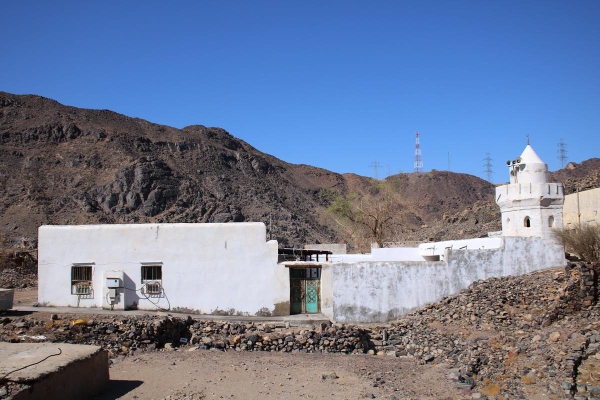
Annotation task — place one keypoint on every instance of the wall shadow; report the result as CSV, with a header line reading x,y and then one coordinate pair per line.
x,y
132,296
116,389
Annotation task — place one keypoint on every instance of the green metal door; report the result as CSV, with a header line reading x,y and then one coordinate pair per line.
x,y
305,285
311,295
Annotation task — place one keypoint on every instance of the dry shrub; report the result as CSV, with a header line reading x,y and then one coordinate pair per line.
x,y
491,390
584,241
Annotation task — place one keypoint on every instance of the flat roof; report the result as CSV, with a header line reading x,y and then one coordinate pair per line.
x,y
302,252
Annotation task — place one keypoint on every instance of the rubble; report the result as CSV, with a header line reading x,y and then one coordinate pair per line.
x,y
18,269
509,337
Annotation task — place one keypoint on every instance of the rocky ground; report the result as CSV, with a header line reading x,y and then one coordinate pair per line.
x,y
532,337
18,269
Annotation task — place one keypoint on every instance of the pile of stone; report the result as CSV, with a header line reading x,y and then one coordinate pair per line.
x,y
127,335
18,269
513,336
507,337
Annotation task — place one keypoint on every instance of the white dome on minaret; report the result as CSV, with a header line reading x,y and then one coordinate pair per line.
x,y
529,168
530,156
530,206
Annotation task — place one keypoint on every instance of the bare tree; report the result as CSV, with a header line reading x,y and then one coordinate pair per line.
x,y
367,217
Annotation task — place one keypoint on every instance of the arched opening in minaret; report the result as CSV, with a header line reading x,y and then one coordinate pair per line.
x,y
527,222
551,221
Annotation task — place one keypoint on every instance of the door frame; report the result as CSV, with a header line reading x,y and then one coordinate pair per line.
x,y
298,284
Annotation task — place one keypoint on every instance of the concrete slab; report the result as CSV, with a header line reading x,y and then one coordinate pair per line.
x,y
293,320
54,370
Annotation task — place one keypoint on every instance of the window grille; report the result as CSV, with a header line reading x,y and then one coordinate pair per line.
x,y
152,279
81,279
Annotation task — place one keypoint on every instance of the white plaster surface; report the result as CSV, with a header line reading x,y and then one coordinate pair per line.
x,y
347,258
530,206
380,254
380,291
336,248
205,267
397,253
530,168
439,248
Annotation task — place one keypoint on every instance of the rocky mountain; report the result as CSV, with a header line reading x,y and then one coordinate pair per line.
x,y
583,176
66,165
63,165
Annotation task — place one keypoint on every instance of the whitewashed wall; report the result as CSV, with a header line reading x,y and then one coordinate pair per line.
x,y
432,249
205,267
384,254
379,291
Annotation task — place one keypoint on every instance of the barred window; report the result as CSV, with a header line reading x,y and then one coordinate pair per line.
x,y
152,279
81,279
151,273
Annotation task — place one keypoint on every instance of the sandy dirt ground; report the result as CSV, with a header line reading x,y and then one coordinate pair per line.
x,y
210,374
25,297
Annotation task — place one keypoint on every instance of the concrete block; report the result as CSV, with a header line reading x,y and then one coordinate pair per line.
x,y
6,299
78,372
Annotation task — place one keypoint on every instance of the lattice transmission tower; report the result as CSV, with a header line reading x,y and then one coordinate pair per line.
x,y
488,167
562,152
418,157
375,165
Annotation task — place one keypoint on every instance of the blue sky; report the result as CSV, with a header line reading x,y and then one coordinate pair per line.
x,y
333,84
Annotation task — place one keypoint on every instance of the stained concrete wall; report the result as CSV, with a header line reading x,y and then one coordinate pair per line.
x,y
205,267
584,207
379,291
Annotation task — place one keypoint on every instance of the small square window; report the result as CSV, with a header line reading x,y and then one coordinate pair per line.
x,y
81,280
152,279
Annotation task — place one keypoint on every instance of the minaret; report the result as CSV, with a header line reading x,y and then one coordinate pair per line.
x,y
530,206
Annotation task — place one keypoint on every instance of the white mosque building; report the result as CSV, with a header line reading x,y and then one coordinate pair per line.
x,y
216,268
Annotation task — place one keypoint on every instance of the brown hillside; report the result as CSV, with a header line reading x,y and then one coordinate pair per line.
x,y
584,176
66,165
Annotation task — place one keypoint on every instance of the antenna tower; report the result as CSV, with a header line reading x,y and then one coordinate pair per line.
x,y
375,165
488,167
418,158
562,152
